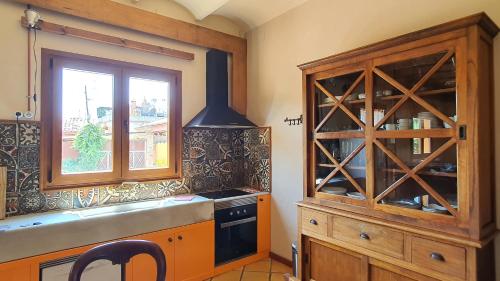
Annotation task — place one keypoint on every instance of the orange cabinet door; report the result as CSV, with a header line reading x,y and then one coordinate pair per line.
x,y
15,271
195,252
144,266
264,223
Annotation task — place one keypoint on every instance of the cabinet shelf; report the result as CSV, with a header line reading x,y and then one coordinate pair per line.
x,y
427,173
346,166
396,97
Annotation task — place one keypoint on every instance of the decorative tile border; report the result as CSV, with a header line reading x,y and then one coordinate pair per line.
x,y
213,159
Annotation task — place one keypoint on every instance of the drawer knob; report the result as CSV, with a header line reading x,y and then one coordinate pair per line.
x,y
179,237
364,236
313,221
437,257
170,239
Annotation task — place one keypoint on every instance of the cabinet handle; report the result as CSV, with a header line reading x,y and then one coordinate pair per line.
x,y
364,236
261,199
462,132
313,221
179,237
125,125
437,257
170,239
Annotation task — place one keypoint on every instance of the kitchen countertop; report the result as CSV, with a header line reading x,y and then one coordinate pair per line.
x,y
31,235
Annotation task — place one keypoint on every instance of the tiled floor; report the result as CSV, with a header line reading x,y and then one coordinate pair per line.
x,y
264,270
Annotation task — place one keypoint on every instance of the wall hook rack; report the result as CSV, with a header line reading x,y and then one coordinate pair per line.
x,y
294,121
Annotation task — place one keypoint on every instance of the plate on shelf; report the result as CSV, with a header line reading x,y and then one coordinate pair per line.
x,y
328,100
356,195
435,208
404,203
336,190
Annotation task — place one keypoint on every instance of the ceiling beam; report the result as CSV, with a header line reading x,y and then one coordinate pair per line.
x,y
116,14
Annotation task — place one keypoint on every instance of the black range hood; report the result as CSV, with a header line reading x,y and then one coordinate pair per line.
x,y
217,113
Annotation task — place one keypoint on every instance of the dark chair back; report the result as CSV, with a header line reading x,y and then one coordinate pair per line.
x,y
120,252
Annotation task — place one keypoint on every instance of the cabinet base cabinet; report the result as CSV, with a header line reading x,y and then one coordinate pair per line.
x,y
189,251
15,271
264,223
144,266
326,262
335,247
380,274
330,263
194,252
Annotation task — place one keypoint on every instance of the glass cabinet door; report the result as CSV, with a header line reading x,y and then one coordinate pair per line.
x,y
415,147
339,144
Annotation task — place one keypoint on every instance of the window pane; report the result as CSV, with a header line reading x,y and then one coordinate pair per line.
x,y
148,133
87,122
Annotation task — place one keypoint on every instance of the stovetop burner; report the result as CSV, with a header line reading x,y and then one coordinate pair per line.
x,y
223,194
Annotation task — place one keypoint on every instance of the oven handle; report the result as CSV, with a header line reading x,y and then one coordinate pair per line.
x,y
238,222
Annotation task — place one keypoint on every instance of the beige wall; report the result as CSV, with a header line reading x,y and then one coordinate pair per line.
x,y
314,30
13,52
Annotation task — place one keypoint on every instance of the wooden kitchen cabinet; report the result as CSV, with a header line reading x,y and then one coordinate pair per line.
x,y
328,262
264,223
144,266
380,274
189,251
194,252
397,159
15,271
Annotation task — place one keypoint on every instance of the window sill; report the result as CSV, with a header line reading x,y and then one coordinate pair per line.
x,y
118,182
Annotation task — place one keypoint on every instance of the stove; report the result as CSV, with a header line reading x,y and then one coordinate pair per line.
x,y
235,224
222,194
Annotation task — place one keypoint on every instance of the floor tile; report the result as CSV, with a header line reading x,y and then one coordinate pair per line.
x,y
277,277
279,267
260,266
228,276
240,269
255,276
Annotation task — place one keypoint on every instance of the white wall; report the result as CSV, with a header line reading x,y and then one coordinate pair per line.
x,y
314,30
13,52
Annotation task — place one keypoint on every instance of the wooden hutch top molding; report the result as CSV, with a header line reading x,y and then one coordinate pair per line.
x,y
480,19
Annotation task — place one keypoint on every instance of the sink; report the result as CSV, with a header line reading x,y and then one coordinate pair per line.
x,y
121,209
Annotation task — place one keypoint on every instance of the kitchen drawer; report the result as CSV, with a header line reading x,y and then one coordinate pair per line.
x,y
444,258
371,236
315,221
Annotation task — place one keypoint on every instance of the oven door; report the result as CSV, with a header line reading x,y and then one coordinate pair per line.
x,y
235,233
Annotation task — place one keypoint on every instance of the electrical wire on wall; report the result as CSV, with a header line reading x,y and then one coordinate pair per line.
x,y
32,19
36,75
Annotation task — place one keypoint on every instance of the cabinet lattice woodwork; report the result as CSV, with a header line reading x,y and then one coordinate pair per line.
x,y
399,154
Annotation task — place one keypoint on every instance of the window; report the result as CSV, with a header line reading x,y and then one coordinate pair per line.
x,y
107,122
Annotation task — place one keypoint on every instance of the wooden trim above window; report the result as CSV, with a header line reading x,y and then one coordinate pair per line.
x,y
133,18
51,176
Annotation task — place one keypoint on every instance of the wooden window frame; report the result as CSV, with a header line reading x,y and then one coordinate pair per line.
x,y
51,177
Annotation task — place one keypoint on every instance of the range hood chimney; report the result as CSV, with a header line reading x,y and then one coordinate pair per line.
x,y
217,113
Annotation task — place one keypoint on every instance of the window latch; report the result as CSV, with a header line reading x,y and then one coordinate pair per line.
x,y
125,125
49,176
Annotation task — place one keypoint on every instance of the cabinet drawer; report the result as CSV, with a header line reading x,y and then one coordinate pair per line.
x,y
438,256
374,237
314,221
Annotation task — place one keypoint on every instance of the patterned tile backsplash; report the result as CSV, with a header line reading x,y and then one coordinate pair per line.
x,y
213,159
